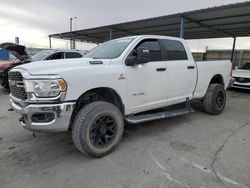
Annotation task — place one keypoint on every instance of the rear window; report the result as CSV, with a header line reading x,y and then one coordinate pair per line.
x,y
174,50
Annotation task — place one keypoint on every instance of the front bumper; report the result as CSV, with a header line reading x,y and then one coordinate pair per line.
x,y
241,85
33,116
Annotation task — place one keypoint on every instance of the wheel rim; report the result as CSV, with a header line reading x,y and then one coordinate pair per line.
x,y
220,100
103,131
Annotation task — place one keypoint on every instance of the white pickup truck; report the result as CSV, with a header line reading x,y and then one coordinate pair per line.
x,y
130,79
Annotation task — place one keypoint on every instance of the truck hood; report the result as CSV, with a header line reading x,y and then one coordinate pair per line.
x,y
241,73
16,50
60,65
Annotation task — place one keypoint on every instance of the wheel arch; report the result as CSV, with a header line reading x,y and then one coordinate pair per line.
x,y
98,94
217,79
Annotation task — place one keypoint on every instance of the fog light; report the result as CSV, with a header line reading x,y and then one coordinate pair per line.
x,y
42,117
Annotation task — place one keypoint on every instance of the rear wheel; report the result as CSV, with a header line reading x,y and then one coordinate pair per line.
x,y
97,128
215,99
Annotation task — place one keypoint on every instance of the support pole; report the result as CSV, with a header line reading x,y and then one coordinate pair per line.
x,y
74,42
182,27
49,42
110,33
233,49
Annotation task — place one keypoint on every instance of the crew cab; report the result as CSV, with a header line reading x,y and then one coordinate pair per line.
x,y
133,79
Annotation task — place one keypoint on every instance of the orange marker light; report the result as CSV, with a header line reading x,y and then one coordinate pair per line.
x,y
62,84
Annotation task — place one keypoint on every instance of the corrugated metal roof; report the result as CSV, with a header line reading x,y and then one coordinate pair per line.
x,y
217,22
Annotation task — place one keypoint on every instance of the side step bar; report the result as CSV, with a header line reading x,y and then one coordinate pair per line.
x,y
134,119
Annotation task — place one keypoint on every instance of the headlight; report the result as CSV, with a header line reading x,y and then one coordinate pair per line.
x,y
45,88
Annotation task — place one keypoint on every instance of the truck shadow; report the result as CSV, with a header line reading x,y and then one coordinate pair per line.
x,y
46,148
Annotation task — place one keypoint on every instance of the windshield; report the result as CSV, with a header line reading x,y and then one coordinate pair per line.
x,y
245,66
40,55
110,50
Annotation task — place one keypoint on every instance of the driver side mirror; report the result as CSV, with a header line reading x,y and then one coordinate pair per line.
x,y
140,55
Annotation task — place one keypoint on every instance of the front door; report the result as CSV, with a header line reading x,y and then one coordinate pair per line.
x,y
147,82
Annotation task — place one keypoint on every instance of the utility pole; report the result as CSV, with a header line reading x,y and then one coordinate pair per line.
x,y
70,29
74,42
75,22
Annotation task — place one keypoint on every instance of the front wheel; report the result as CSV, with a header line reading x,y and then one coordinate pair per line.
x,y
97,128
215,99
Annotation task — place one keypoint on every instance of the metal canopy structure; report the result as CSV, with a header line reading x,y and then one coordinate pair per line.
x,y
223,21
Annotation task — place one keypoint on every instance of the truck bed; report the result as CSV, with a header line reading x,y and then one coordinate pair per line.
x,y
206,70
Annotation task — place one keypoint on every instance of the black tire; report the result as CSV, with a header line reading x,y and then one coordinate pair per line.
x,y
97,128
215,99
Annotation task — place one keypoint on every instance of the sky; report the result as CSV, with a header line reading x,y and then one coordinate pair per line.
x,y
33,20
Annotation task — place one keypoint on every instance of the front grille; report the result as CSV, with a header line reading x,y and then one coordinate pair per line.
x,y
242,80
16,85
16,76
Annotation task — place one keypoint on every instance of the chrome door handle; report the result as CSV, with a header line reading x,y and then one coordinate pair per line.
x,y
160,69
190,67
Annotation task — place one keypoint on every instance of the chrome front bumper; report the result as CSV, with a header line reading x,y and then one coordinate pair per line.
x,y
241,85
60,115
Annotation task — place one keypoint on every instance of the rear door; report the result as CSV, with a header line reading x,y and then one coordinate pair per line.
x,y
181,71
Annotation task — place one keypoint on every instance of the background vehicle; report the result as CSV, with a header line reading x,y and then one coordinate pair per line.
x,y
58,54
241,76
22,56
131,78
19,52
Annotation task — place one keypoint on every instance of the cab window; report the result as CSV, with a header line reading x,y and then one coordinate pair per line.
x,y
154,49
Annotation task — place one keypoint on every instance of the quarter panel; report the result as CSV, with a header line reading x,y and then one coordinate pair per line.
x,y
207,70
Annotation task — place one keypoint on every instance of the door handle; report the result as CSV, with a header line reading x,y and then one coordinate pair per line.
x,y
190,67
160,69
